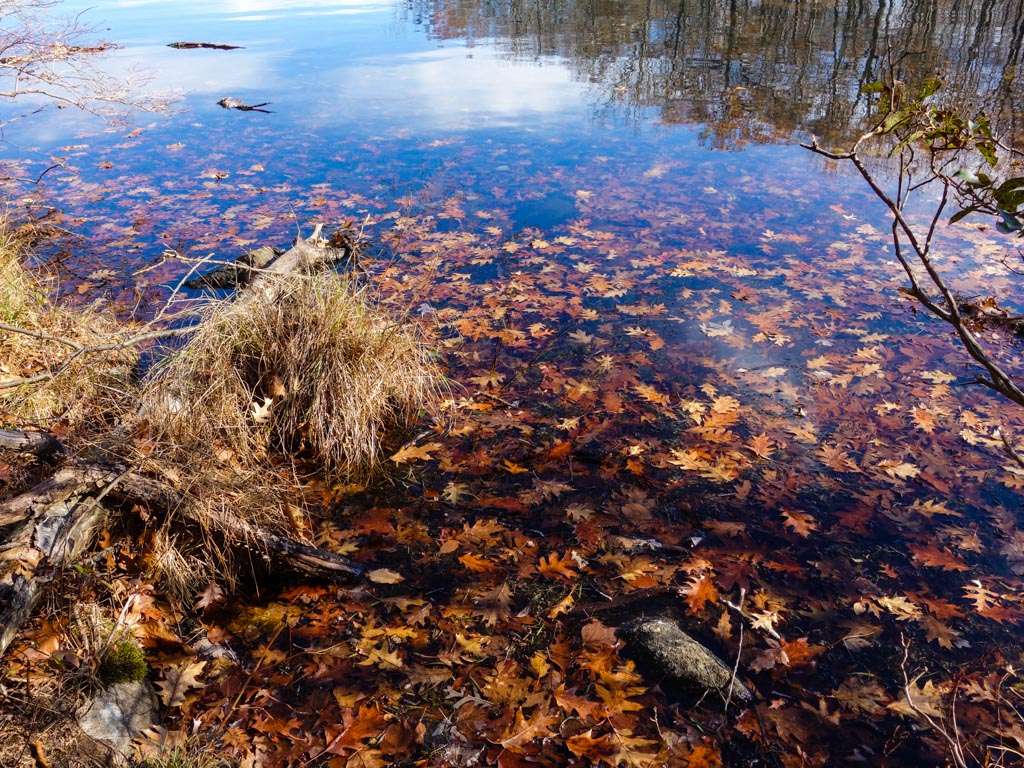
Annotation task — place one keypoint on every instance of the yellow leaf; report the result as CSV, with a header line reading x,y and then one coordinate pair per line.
x,y
385,576
651,395
512,468
899,470
415,453
261,413
539,664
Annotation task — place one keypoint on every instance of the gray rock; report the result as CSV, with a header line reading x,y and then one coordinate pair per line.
x,y
661,644
118,714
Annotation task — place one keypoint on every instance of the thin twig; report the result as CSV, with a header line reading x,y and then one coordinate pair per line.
x,y
739,653
955,749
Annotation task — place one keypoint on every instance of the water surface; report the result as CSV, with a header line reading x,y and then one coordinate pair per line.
x,y
667,321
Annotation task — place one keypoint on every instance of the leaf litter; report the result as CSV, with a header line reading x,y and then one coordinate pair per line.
x,y
681,408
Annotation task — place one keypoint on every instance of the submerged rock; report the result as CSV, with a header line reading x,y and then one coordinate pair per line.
x,y
661,645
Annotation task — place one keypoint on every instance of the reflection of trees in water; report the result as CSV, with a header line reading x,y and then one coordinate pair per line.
x,y
750,69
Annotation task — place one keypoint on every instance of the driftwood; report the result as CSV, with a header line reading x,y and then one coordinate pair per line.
x,y
236,273
134,489
306,255
58,518
230,103
39,443
212,46
63,514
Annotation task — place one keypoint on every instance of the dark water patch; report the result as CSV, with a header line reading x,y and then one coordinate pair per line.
x,y
549,212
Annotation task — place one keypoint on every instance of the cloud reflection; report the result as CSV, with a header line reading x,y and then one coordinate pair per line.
x,y
458,88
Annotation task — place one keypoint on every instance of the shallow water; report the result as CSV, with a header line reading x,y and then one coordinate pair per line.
x,y
667,321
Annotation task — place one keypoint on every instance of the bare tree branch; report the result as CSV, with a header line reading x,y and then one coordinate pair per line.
x,y
54,59
83,351
947,307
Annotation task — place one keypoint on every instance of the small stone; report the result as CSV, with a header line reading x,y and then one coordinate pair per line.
x,y
118,714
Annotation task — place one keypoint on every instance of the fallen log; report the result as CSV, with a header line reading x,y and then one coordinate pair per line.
x,y
237,273
188,46
64,512
304,255
314,561
25,441
59,486
231,103
63,521
307,254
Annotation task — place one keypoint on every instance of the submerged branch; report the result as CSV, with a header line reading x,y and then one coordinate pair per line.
x,y
947,308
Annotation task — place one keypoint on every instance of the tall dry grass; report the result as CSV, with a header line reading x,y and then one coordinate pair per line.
x,y
307,367
305,377
92,389
21,299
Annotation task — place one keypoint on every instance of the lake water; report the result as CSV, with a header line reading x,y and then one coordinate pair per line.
x,y
670,326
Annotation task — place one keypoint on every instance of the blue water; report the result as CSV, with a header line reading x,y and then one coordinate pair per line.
x,y
628,176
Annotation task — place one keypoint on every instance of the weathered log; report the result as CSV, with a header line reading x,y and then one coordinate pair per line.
x,y
39,443
188,46
305,255
133,488
65,511
52,490
237,273
64,518
231,103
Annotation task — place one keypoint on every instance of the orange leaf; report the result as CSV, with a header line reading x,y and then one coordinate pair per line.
x,y
700,592
554,566
415,453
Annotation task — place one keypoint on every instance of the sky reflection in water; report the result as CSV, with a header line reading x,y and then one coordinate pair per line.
x,y
606,204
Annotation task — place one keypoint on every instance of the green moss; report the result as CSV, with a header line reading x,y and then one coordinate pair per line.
x,y
124,662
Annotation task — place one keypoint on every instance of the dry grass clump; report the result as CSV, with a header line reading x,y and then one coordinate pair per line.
x,y
89,387
104,647
303,366
181,566
298,378
182,752
21,298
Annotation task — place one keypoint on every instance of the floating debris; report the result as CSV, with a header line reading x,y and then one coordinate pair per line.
x,y
230,103
212,46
